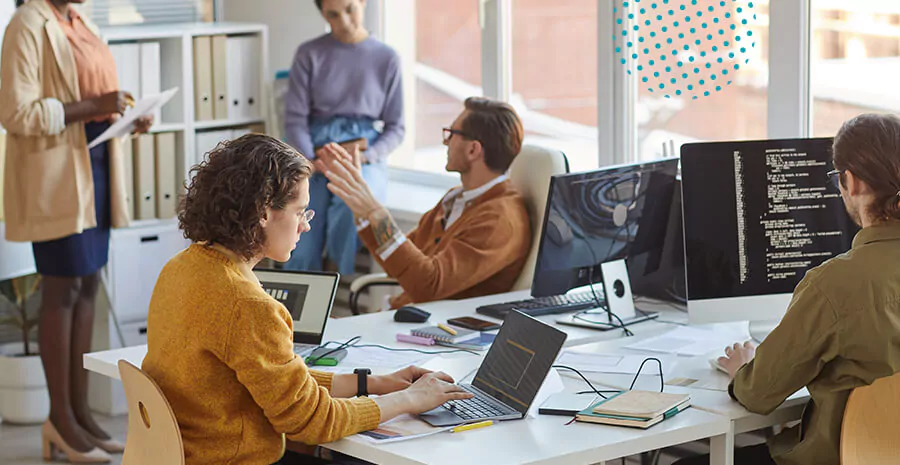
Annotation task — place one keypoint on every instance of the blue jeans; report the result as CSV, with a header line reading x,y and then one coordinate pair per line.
x,y
334,220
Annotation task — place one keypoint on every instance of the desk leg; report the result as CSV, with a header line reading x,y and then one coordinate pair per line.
x,y
721,448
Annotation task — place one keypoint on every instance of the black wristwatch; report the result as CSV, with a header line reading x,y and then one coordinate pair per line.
x,y
362,384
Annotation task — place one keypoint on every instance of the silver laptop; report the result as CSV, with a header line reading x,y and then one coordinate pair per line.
x,y
308,296
510,375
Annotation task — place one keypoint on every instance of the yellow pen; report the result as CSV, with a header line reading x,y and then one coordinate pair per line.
x,y
480,424
447,328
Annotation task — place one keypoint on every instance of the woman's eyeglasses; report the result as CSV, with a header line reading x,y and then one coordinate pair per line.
x,y
449,132
835,177
308,215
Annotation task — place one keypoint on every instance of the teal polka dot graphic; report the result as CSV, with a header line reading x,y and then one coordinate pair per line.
x,y
715,36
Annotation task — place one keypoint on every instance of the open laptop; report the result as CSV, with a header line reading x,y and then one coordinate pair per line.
x,y
510,375
308,296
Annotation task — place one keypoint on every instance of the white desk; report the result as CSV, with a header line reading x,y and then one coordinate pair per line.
x,y
534,440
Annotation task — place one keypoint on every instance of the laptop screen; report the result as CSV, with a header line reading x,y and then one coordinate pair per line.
x,y
308,296
518,361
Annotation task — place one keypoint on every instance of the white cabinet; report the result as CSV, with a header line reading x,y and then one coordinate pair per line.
x,y
136,257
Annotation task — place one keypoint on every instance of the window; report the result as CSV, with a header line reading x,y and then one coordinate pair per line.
x,y
855,59
443,67
122,12
554,76
695,48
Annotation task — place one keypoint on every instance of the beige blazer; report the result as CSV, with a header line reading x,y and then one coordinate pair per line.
x,y
48,185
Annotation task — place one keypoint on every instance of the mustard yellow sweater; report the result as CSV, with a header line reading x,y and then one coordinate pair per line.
x,y
221,350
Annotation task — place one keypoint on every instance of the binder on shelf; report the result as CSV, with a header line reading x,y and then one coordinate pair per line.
x,y
144,177
203,84
234,82
128,67
165,175
251,67
128,166
220,77
207,140
150,74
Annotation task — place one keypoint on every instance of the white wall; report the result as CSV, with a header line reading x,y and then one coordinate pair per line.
x,y
291,22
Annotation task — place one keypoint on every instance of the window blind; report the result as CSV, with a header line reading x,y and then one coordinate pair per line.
x,y
124,12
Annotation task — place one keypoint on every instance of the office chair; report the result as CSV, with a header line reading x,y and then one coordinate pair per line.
x,y
530,173
153,433
871,424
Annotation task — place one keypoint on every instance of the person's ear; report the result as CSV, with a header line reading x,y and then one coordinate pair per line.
x,y
853,185
476,151
265,218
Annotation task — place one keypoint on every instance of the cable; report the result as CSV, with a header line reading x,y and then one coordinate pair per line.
x,y
428,352
609,312
341,346
353,342
661,382
593,389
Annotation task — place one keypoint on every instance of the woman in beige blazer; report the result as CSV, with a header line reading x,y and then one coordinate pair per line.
x,y
58,90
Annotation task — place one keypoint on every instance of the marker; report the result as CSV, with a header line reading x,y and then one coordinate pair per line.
x,y
447,328
480,424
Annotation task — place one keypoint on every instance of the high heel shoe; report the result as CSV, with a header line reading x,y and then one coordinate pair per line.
x,y
53,442
109,445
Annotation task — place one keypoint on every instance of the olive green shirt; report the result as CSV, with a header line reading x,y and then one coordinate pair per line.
x,y
841,331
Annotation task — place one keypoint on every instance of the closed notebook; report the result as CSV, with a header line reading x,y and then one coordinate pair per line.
x,y
589,416
640,404
438,334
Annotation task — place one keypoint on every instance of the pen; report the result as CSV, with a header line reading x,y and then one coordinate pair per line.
x,y
447,328
480,424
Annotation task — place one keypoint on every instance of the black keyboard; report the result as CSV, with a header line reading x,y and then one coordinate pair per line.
x,y
542,305
474,408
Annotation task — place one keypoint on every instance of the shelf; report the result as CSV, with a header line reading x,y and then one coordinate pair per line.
x,y
166,127
138,224
141,32
216,124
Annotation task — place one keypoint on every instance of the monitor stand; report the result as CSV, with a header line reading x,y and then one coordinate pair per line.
x,y
759,330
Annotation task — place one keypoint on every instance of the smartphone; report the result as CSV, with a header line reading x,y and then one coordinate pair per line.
x,y
477,324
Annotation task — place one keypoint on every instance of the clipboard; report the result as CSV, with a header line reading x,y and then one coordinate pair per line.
x,y
124,125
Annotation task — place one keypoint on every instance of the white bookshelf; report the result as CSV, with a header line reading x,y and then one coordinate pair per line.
x,y
138,253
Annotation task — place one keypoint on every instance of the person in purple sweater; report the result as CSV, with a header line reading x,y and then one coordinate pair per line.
x,y
342,84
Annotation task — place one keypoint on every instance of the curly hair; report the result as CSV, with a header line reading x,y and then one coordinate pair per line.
x,y
229,192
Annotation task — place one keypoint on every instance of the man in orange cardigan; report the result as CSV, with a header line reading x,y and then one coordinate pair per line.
x,y
476,240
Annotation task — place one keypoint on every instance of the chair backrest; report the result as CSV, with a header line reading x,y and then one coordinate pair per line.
x,y
530,173
153,433
871,424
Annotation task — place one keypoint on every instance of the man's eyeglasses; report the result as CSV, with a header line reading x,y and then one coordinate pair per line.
x,y
835,177
449,132
308,215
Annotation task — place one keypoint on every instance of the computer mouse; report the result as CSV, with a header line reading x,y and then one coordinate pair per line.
x,y
411,315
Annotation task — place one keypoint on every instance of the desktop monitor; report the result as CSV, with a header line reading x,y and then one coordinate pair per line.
x,y
601,216
757,216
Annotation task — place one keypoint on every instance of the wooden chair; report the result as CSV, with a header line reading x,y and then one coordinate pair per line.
x,y
871,424
153,433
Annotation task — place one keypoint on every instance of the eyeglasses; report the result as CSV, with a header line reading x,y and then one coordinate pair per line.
x,y
308,215
835,177
449,132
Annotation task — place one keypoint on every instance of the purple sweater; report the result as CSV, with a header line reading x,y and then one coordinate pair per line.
x,y
331,78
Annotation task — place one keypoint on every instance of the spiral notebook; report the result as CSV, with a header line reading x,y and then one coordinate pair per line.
x,y
438,334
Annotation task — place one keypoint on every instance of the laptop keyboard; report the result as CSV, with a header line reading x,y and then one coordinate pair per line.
x,y
474,408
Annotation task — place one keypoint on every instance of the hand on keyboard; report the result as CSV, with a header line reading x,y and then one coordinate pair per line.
x,y
429,392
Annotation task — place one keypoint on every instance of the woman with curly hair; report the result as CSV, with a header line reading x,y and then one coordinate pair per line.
x,y
221,349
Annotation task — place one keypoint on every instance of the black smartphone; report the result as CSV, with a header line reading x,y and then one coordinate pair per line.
x,y
477,324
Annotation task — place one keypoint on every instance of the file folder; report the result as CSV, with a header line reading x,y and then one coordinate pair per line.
x,y
128,67
128,167
235,78
144,177
150,74
251,66
208,140
220,77
203,85
166,200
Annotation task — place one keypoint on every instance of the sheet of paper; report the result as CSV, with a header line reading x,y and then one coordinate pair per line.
x,y
124,125
379,360
615,363
685,340
402,428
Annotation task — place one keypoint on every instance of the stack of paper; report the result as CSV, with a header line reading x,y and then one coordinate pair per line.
x,y
690,341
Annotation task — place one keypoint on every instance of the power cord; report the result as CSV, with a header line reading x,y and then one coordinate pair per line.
x,y
354,342
594,390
